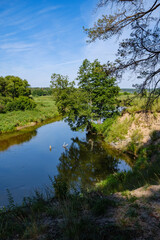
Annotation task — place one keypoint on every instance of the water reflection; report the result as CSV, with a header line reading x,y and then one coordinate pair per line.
x,y
9,140
18,137
86,162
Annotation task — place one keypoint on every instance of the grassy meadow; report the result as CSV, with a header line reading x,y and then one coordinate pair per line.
x,y
136,103
45,109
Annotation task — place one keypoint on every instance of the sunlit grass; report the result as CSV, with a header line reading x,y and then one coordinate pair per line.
x,y
45,109
137,103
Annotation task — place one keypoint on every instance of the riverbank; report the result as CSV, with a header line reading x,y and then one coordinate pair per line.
x,y
16,120
126,215
129,132
137,133
134,128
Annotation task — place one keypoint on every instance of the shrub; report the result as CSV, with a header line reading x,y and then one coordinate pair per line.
x,y
61,188
21,103
2,108
154,135
135,143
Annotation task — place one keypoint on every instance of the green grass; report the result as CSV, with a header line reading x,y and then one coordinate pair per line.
x,y
45,109
143,173
113,130
136,103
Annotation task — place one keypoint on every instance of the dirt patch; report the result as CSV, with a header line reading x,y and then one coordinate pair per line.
x,y
31,124
139,210
143,123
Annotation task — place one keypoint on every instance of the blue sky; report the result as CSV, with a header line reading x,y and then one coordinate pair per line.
x,y
41,37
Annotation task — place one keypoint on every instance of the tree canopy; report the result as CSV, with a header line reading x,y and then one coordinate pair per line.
x,y
101,88
94,98
15,94
11,86
141,51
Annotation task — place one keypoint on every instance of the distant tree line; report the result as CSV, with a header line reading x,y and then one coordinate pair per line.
x,y
15,94
128,90
41,91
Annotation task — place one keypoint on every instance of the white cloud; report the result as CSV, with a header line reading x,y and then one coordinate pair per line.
x,y
16,47
48,9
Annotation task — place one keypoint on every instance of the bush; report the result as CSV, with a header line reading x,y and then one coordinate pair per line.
x,y
154,135
135,143
21,103
2,107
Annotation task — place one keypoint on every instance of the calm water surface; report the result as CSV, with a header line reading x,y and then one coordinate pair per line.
x,y
26,161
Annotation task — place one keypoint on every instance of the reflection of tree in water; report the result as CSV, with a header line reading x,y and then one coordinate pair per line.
x,y
86,163
18,138
77,123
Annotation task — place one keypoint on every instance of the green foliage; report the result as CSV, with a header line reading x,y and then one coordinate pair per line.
x,y
62,90
105,127
129,197
131,212
60,187
154,135
143,173
14,94
80,228
21,103
101,89
2,108
136,103
11,86
118,130
10,200
41,92
135,142
101,205
70,101
94,99
45,109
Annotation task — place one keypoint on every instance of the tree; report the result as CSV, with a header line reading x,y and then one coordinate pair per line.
x,y
94,98
71,101
102,89
15,94
62,90
140,52
11,86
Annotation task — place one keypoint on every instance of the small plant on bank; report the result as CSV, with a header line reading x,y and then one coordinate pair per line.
x,y
154,135
60,186
131,212
135,142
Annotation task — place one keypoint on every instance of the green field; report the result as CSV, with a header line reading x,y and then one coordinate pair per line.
x,y
45,109
135,103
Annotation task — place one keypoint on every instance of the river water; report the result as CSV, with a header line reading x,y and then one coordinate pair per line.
x,y
26,161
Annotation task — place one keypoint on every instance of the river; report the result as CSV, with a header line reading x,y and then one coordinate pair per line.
x,y
26,161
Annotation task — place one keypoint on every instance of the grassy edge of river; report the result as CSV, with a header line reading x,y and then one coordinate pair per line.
x,y
17,120
138,134
84,216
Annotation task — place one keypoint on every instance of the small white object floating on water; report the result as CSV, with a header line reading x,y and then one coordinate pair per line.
x,y
50,147
65,145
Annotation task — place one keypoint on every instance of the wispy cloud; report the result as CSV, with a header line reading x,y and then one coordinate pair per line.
x,y
69,62
16,47
49,9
